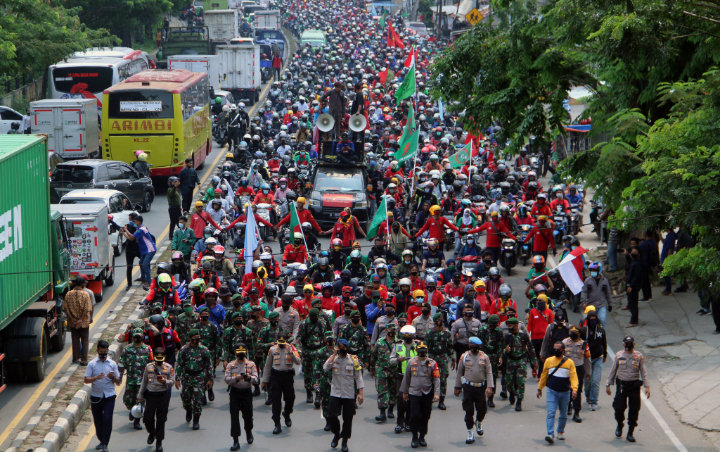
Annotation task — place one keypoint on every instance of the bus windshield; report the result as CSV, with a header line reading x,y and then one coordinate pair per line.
x,y
140,104
77,79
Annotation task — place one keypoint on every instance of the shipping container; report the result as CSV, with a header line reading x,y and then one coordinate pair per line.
x,y
33,259
221,24
268,20
70,124
209,64
240,69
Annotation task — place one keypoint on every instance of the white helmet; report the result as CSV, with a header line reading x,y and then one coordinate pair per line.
x,y
137,411
241,105
233,107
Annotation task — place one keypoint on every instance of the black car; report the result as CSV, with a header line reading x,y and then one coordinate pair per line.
x,y
111,174
335,188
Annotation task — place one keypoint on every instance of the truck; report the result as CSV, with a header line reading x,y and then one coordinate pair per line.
x,y
91,255
183,41
210,64
222,24
34,261
240,69
70,124
268,20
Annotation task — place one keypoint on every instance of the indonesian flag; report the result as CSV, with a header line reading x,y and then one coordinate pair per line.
x,y
409,61
571,269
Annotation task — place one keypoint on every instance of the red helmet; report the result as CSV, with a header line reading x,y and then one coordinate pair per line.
x,y
538,259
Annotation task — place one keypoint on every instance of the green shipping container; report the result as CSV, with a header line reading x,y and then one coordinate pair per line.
x,y
25,234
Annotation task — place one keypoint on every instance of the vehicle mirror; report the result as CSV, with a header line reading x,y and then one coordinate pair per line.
x,y
138,207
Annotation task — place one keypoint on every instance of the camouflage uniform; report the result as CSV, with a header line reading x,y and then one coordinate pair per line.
x,y
210,338
440,350
521,351
494,340
310,338
321,378
384,373
134,359
184,323
255,327
194,370
358,339
234,337
266,338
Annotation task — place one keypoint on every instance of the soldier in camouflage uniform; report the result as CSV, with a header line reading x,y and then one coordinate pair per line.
x,y
324,316
257,324
237,306
384,373
493,338
310,338
134,359
323,379
265,339
439,342
194,370
235,336
210,338
357,337
186,321
518,350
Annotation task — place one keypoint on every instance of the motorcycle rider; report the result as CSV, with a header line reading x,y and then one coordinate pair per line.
x,y
542,237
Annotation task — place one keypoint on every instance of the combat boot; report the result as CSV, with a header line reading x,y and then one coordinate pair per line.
x,y
256,391
309,398
235,444
317,400
250,437
518,405
390,414
277,430
158,446
576,417
441,404
512,398
381,417
188,415
136,424
630,436
211,394
619,429
196,422
490,402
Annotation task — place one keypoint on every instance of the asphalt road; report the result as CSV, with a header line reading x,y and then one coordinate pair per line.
x,y
505,429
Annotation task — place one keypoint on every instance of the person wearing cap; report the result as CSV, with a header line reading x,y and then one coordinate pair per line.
x,y
560,377
345,227
630,374
596,292
577,350
496,231
304,215
423,323
402,352
517,353
278,375
542,237
134,358
265,339
195,373
465,327
493,338
236,336
420,387
186,321
200,220
384,373
289,318
594,335
382,321
436,225
439,342
157,381
346,372
322,379
241,374
310,339
188,181
475,379
236,300
295,252
211,338
356,336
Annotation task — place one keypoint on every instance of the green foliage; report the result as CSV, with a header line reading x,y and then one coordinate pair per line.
x,y
36,33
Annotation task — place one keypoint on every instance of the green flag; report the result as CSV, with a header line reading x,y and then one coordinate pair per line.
x,y
382,18
409,127
408,148
407,88
461,157
378,219
294,219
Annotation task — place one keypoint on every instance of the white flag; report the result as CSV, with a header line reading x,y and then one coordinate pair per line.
x,y
251,239
571,268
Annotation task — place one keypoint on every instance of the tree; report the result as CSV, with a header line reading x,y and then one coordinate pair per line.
x,y
35,34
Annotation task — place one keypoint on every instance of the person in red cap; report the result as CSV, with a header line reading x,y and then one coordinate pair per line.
x,y
495,229
542,234
435,225
345,228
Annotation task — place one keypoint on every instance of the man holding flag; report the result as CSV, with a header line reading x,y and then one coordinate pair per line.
x,y
299,215
252,239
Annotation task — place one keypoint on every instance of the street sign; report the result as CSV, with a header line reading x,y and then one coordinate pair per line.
x,y
474,17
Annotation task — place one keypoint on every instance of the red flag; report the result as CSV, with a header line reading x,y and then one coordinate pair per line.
x,y
398,42
409,59
383,76
391,35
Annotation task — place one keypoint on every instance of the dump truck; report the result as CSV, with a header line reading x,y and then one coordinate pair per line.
x,y
34,261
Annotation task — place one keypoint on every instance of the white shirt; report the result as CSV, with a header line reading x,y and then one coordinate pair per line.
x,y
104,387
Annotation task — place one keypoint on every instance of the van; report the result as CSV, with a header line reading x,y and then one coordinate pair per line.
x,y
315,38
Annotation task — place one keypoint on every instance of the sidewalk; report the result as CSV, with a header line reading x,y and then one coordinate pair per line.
x,y
683,353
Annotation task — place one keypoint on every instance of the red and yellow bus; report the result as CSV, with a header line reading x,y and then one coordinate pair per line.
x,y
165,113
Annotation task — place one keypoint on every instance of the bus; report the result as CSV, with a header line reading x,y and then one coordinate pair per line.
x,y
87,74
165,113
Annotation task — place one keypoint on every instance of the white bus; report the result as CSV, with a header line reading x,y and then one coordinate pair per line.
x,y
87,74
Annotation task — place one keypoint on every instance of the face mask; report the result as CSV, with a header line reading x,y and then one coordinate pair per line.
x,y
456,280
629,346
468,314
137,339
237,322
342,352
480,290
355,320
204,318
538,266
594,274
575,336
419,300
471,242
102,356
557,353
426,311
181,225
474,350
281,345
390,313
347,311
422,353
541,306
488,263
592,322
195,341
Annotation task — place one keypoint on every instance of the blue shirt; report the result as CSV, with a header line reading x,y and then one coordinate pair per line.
x,y
104,387
145,242
217,315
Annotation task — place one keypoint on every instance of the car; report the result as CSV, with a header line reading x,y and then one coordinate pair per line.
x,y
7,117
334,189
110,174
119,208
419,28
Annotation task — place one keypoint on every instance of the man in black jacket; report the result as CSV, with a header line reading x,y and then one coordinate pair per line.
x,y
188,180
634,282
596,339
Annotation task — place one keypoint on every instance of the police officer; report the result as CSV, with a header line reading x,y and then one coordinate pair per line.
x,y
346,377
475,379
157,382
240,375
630,374
420,387
278,374
402,353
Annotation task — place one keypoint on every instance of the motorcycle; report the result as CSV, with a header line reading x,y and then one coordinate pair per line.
x,y
449,235
574,221
560,229
219,130
263,210
525,248
447,309
508,255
